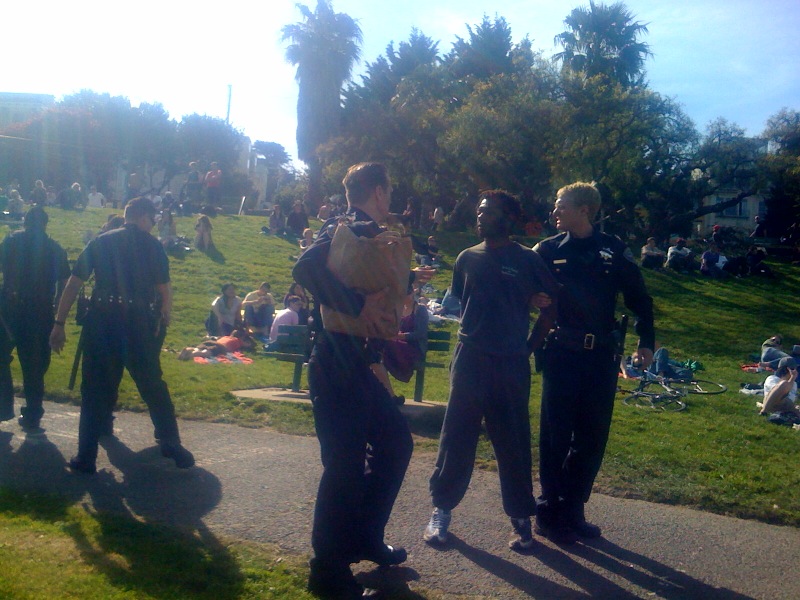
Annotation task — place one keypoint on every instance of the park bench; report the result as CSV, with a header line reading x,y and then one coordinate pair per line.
x,y
438,341
292,345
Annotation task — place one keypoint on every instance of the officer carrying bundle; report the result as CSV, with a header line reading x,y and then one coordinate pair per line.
x,y
369,265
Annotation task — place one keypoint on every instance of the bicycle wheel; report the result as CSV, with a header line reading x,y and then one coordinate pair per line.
x,y
668,403
698,386
639,400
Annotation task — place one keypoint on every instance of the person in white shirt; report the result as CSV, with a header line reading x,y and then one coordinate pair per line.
x,y
780,389
96,199
286,316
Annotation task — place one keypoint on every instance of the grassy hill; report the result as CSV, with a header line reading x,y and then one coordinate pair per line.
x,y
717,455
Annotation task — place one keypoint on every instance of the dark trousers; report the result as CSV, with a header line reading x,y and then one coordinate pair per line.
x,y
30,333
114,341
497,389
365,446
261,317
577,403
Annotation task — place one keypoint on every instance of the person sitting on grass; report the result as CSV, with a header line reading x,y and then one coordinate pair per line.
x,y
680,258
259,310
238,340
772,352
225,312
305,308
307,239
652,255
711,263
202,237
287,316
167,231
780,391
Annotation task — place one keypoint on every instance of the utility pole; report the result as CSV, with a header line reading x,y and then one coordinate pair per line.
x,y
228,114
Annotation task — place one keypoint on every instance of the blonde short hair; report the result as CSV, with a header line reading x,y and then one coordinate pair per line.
x,y
581,193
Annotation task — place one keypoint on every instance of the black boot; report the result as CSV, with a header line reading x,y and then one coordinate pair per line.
x,y
182,457
577,521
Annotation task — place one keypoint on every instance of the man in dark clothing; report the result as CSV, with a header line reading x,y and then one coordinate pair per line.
x,y
364,440
35,269
498,282
576,407
124,329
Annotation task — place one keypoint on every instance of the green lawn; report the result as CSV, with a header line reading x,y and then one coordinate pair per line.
x,y
718,455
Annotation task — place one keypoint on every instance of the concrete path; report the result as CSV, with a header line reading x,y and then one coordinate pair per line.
x,y
259,485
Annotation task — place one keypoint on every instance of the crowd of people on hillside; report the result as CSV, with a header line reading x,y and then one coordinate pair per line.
x,y
706,258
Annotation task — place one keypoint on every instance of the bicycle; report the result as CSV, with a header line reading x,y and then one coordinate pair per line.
x,y
670,397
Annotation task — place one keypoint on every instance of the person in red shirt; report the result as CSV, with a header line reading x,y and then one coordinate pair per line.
x,y
213,183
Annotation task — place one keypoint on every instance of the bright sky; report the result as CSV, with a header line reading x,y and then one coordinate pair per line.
x,y
736,59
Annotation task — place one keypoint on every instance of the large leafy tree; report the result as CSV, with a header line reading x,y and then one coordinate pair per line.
x,y
604,40
782,166
324,47
487,52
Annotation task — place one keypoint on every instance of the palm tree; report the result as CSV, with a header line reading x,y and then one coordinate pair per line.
x,y
324,47
602,40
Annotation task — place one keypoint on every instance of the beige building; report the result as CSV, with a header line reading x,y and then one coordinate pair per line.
x,y
739,217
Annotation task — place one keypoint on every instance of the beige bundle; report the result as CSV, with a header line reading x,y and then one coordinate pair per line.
x,y
369,265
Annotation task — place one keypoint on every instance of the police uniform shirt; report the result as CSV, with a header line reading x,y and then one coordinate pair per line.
x,y
127,262
495,286
32,264
593,271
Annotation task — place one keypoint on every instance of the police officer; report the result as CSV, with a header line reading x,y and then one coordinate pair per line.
x,y
125,327
580,364
352,409
35,269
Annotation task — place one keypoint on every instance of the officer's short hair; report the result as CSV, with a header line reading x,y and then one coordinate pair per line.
x,y
362,179
580,194
35,219
510,203
139,207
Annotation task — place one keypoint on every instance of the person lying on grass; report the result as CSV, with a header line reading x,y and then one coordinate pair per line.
x,y
238,340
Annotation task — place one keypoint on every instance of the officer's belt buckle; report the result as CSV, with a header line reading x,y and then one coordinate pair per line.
x,y
588,341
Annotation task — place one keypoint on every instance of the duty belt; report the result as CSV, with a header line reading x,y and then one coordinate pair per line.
x,y
109,300
577,339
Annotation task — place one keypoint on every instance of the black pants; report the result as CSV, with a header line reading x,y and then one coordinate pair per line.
x,y
577,403
497,389
29,330
114,341
365,446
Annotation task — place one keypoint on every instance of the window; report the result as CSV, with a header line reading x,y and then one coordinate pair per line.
x,y
739,211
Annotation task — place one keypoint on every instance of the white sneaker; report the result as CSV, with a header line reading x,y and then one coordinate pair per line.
x,y
436,531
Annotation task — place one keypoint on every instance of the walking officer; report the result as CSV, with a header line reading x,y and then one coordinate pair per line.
x,y
35,269
580,362
124,329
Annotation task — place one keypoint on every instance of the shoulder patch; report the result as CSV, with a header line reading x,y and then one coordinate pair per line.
x,y
629,255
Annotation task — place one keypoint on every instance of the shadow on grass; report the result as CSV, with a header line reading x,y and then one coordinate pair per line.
x,y
214,254
144,533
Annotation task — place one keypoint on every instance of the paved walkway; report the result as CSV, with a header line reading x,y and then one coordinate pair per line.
x,y
259,485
